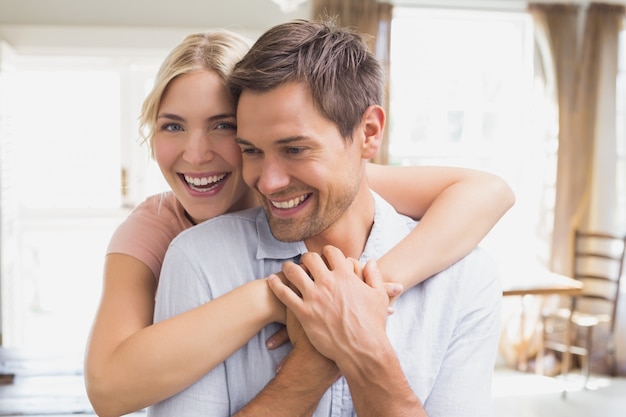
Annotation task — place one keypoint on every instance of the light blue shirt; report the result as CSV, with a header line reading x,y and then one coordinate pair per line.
x,y
445,331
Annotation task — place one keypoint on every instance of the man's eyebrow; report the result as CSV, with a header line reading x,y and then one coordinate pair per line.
x,y
240,141
290,140
285,141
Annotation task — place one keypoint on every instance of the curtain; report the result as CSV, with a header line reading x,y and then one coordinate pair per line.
x,y
374,20
583,44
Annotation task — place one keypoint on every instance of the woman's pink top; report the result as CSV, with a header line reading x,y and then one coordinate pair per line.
x,y
148,230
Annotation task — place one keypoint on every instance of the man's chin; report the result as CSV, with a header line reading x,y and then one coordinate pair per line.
x,y
286,231
286,237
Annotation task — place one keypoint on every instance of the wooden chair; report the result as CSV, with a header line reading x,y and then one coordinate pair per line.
x,y
598,261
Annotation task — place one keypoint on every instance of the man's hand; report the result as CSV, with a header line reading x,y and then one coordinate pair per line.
x,y
344,315
339,310
302,378
301,343
394,290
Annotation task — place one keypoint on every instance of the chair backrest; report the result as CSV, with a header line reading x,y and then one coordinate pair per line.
x,y
599,263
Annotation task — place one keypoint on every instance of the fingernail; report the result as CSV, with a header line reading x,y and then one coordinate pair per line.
x,y
270,343
397,289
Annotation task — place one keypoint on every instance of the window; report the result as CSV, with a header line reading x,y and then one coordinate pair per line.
x,y
68,144
74,131
621,135
83,111
462,93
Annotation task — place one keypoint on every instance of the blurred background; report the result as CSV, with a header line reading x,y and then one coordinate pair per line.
x,y
471,83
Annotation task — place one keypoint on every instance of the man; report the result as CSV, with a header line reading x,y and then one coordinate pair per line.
x,y
309,118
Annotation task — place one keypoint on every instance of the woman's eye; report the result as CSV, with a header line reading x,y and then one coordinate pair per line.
x,y
226,126
172,127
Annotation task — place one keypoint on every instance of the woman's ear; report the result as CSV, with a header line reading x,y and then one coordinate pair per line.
x,y
373,128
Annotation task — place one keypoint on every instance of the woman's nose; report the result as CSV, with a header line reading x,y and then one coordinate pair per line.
x,y
198,149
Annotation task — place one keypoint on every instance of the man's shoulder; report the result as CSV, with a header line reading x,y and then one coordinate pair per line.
x,y
389,228
471,284
226,227
479,259
477,270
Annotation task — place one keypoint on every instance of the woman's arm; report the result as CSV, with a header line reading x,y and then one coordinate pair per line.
x,y
131,363
456,207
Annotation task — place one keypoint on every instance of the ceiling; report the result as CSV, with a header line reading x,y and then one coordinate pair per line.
x,y
96,27
82,26
257,15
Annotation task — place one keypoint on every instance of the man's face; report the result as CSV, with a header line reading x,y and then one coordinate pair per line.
x,y
305,174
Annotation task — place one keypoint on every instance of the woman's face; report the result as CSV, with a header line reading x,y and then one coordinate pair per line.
x,y
194,145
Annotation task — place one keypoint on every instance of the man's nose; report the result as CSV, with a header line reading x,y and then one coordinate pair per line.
x,y
273,177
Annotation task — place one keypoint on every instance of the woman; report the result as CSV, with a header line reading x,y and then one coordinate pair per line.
x,y
189,120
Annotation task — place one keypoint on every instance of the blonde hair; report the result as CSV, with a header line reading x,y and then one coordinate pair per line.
x,y
216,51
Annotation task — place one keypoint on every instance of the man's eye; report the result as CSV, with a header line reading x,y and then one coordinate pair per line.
x,y
249,151
294,151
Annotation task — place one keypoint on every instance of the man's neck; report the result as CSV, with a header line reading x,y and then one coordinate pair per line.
x,y
351,231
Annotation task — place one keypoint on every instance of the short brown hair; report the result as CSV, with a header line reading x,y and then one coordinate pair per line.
x,y
342,75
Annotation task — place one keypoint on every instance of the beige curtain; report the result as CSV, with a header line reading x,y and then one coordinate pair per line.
x,y
583,45
373,19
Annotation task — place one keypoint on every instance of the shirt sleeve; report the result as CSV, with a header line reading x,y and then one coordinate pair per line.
x,y
148,230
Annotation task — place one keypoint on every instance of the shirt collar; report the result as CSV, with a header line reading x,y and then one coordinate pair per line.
x,y
268,247
387,230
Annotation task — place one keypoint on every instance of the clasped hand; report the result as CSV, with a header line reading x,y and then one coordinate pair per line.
x,y
341,305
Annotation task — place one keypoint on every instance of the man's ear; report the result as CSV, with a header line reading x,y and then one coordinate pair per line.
x,y
373,123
